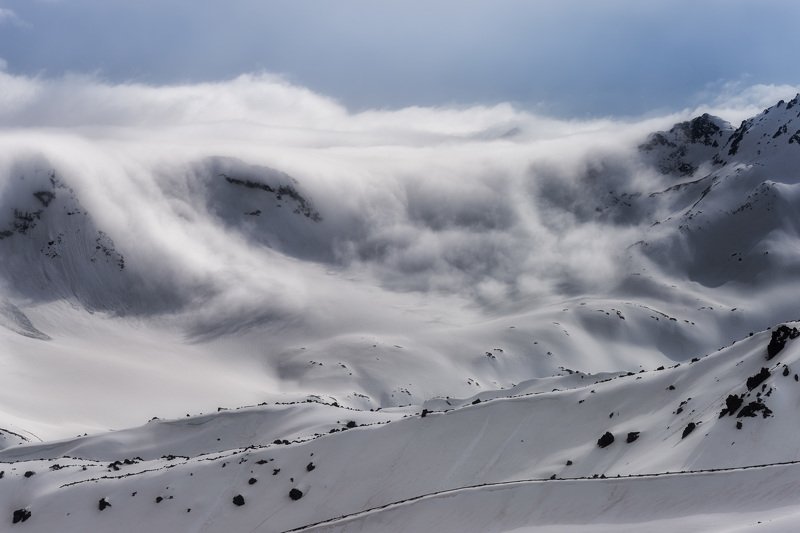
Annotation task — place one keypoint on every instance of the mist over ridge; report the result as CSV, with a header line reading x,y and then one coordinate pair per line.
x,y
482,202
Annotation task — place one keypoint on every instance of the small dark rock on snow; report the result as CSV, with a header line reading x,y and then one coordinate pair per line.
x,y
295,494
689,428
20,515
605,440
238,500
632,436
103,503
310,467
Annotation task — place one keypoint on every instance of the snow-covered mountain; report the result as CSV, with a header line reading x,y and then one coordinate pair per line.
x,y
654,388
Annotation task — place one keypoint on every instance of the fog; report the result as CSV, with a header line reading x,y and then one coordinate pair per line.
x,y
490,206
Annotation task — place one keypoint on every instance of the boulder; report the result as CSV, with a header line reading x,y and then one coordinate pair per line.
x,y
605,440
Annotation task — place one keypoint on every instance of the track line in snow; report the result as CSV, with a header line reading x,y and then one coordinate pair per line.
x,y
447,492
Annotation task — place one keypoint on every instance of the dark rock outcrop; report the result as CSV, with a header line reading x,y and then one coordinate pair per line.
x,y
779,338
752,408
732,404
757,379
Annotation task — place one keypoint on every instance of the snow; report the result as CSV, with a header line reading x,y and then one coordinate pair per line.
x,y
284,348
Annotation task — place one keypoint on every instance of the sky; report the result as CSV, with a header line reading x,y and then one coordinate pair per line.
x,y
565,58
451,148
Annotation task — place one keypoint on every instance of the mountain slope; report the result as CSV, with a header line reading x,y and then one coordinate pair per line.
x,y
201,463
413,356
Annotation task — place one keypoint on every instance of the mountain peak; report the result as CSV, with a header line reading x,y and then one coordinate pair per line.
x,y
686,145
710,140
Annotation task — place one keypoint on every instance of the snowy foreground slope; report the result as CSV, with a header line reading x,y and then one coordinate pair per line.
x,y
619,386
499,461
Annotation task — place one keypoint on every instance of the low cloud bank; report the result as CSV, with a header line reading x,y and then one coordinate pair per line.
x,y
488,203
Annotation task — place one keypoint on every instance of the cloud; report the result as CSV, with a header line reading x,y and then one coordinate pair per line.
x,y
737,100
489,204
9,16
